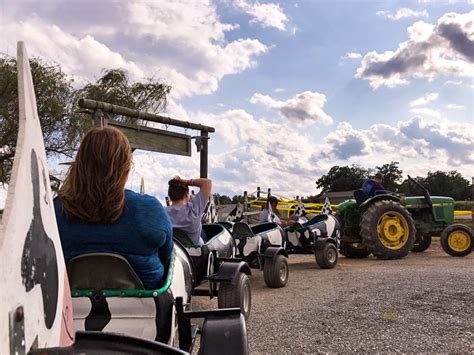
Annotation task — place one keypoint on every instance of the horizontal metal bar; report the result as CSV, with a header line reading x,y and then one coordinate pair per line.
x,y
125,111
223,312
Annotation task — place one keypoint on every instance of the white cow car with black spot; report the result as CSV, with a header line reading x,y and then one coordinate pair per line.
x,y
266,245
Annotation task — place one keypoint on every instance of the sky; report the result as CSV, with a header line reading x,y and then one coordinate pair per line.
x,y
292,87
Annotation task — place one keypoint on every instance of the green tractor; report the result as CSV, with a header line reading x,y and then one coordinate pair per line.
x,y
389,226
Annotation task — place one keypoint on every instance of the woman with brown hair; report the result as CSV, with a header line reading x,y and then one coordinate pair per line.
x,y
95,213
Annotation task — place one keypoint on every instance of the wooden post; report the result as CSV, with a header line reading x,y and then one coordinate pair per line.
x,y
246,207
205,138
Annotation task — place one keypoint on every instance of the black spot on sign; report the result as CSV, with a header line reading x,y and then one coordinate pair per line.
x,y
39,264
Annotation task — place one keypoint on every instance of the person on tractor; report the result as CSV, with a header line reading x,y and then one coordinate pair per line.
x,y
185,214
374,186
96,214
272,203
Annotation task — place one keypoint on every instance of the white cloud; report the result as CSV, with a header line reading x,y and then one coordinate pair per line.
x,y
425,112
352,55
279,90
402,13
444,144
444,49
455,107
345,142
429,97
183,42
267,14
3,195
452,82
51,43
245,152
306,107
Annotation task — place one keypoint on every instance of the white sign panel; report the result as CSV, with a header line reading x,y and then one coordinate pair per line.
x,y
35,299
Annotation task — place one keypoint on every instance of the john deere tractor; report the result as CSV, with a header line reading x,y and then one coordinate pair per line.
x,y
389,226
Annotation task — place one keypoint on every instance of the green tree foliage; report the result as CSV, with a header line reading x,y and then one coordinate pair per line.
x,y
223,199
392,175
62,123
54,93
238,199
115,87
440,183
343,178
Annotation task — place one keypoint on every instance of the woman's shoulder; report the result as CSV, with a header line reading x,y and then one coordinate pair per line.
x,y
140,201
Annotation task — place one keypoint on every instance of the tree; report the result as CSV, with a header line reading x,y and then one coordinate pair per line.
x,y
54,93
115,87
56,98
392,175
343,178
223,199
238,199
441,183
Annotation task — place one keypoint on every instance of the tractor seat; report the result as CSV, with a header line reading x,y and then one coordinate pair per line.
x,y
101,271
360,197
182,237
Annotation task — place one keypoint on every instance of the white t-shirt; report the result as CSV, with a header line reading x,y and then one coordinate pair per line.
x,y
264,217
187,217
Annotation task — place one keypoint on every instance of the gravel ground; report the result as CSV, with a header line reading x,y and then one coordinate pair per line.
x,y
422,303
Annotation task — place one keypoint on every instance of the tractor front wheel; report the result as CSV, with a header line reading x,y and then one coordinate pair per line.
x,y
388,230
456,240
422,242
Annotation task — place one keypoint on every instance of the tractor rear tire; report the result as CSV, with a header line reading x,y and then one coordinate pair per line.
x,y
276,271
388,230
326,257
236,295
354,250
456,240
422,242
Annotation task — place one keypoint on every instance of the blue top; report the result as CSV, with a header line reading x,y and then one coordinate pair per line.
x,y
187,217
142,234
372,187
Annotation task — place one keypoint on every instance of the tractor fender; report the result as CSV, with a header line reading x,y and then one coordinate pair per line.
x,y
229,271
271,252
320,242
377,198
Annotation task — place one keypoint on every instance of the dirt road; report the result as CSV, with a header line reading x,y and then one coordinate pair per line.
x,y
422,303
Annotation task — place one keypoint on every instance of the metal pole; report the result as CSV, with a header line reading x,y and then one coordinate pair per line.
x,y
204,153
472,200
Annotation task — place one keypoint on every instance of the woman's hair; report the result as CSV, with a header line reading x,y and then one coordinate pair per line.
x,y
177,189
94,188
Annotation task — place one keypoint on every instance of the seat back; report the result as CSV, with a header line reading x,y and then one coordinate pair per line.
x,y
360,196
101,271
242,230
182,237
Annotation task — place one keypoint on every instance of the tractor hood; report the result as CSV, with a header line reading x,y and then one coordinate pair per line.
x,y
420,201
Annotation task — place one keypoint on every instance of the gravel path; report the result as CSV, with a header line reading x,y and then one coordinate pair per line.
x,y
422,303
